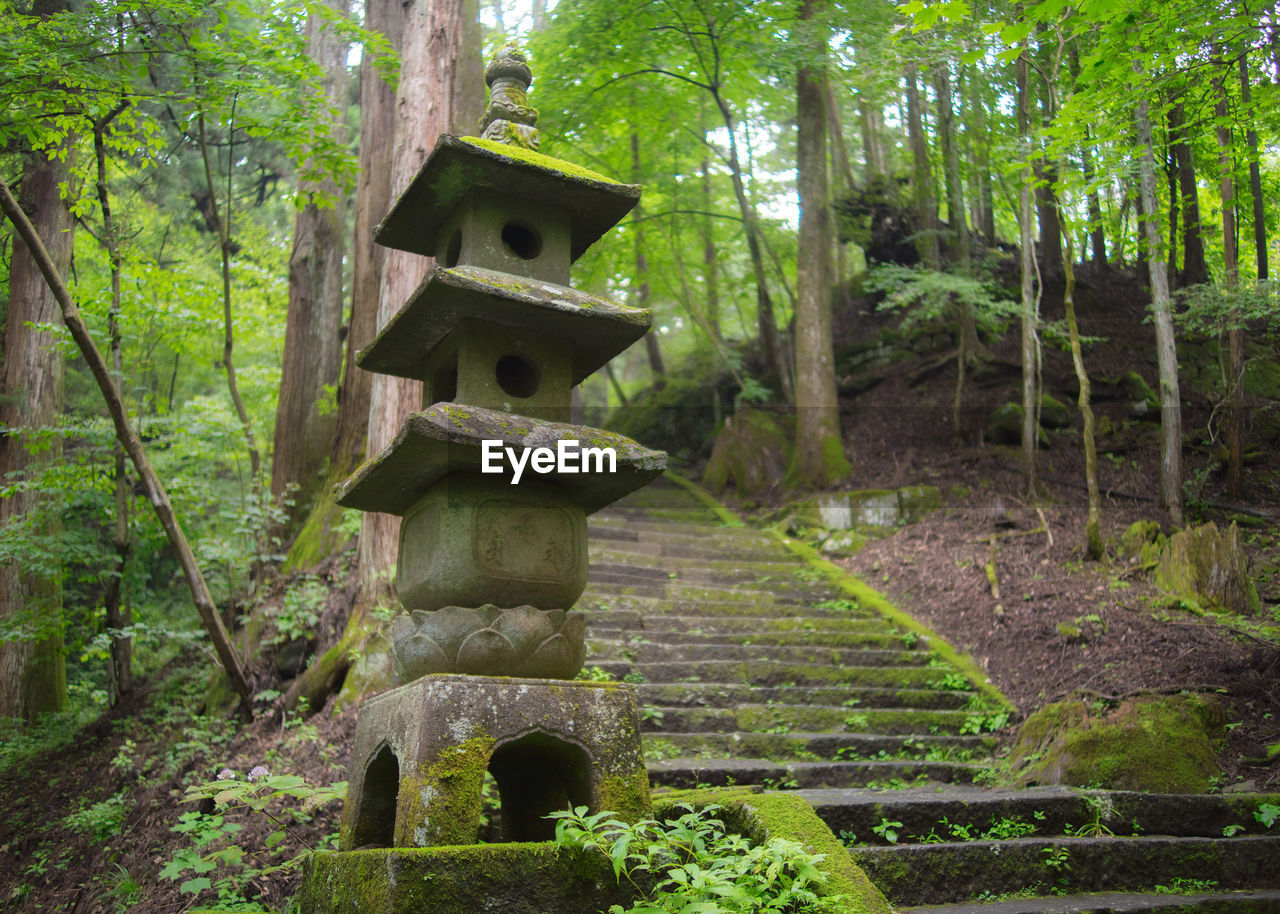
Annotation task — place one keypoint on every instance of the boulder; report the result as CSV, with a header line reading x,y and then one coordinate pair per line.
x,y
751,452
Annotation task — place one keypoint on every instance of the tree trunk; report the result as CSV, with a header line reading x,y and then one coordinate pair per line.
x,y
959,231
710,265
1230,275
980,138
641,287
132,444
1194,270
1255,171
819,454
1097,234
33,675
441,90
305,421
926,205
872,119
1046,204
1030,300
1093,518
1162,307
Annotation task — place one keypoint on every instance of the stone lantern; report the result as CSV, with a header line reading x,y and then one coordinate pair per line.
x,y
494,487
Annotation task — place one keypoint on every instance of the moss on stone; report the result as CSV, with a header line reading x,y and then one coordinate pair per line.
x,y
447,795
628,797
1208,566
528,156
1159,743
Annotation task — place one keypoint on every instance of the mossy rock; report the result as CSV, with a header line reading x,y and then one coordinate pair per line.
x,y
843,543
1140,534
1157,743
917,502
751,452
1004,426
1262,379
1207,565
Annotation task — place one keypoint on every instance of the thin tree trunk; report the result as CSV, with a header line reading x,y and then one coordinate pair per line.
x,y
441,90
32,671
710,265
926,205
1093,519
1097,234
819,455
312,341
959,231
980,139
1230,275
641,299
1046,203
132,444
872,120
1030,300
1162,306
119,663
1194,270
1255,171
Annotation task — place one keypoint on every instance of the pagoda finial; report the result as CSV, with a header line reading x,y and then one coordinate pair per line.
x,y
509,119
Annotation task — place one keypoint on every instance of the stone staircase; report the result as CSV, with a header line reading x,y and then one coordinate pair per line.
x,y
752,669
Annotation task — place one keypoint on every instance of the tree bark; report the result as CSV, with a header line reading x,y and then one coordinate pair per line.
x,y
1162,307
305,421
1255,171
926,205
1194,270
1046,204
1030,301
32,670
1093,518
641,287
132,444
819,455
1230,275
980,137
441,90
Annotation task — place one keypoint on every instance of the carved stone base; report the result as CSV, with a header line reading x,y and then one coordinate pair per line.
x,y
421,752
489,641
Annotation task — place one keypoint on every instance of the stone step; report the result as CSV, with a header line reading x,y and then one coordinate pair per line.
x,y
891,653
652,555
769,673
655,625
757,718
647,604
732,694
732,575
881,637
914,874
845,747
686,773
650,529
1050,809
1244,902
677,591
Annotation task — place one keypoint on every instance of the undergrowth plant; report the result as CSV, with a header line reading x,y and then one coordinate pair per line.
x,y
693,865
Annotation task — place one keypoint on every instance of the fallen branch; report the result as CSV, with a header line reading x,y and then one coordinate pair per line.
x,y
132,445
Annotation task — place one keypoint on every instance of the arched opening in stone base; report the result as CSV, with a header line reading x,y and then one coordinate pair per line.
x,y
537,775
375,824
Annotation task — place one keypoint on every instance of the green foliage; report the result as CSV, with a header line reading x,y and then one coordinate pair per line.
x,y
691,864
300,609
1267,814
887,830
929,295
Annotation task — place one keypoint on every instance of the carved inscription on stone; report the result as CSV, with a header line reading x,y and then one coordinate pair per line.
x,y
525,542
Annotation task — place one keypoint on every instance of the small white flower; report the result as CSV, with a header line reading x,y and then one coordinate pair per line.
x,y
226,774
258,771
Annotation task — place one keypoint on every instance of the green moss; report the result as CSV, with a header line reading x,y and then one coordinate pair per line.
x,y
627,796
539,160
1160,743
446,796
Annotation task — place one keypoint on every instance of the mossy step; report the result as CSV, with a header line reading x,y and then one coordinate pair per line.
x,y
655,625
771,673
693,551
688,773
676,590
642,652
882,638
758,718
1050,809
648,554
942,873
673,531
689,513
594,600
732,694
732,578
848,747
1246,902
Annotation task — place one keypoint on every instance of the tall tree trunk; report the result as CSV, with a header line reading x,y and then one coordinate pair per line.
x,y
1097,233
115,593
958,230
872,121
1046,203
305,421
1194,270
1030,300
710,265
1230,275
819,455
33,675
1093,518
1255,171
926,205
128,438
641,288
441,90
980,140
1162,307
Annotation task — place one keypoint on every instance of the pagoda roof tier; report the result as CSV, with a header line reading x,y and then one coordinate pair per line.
x,y
596,328
447,438
456,165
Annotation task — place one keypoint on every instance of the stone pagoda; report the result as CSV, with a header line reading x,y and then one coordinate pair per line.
x,y
494,486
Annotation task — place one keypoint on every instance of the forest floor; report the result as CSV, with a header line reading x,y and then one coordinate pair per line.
x,y
1132,638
